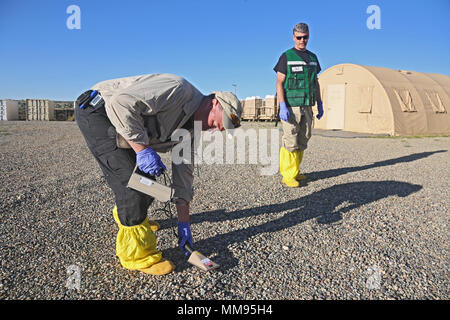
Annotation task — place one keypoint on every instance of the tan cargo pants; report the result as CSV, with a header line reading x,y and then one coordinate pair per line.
x,y
297,131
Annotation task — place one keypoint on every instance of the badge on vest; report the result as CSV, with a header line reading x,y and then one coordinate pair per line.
x,y
296,69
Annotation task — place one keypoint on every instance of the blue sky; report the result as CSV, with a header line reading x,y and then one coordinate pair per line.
x,y
213,44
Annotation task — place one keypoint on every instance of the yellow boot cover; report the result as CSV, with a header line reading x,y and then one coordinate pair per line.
x,y
300,176
153,224
289,167
160,268
136,245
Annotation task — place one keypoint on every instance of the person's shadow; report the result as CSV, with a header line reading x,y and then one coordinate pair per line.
x,y
321,205
313,176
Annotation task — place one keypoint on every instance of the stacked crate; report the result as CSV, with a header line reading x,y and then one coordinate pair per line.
x,y
42,110
31,109
243,107
251,109
269,109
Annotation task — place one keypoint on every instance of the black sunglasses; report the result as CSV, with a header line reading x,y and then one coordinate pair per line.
x,y
302,37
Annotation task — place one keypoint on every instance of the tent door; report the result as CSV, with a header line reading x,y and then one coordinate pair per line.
x,y
335,106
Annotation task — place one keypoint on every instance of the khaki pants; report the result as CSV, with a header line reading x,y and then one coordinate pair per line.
x,y
297,131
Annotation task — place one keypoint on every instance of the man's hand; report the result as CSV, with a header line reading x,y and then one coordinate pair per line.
x,y
184,235
320,110
150,162
284,112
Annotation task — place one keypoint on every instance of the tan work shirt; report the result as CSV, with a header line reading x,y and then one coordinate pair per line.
x,y
147,109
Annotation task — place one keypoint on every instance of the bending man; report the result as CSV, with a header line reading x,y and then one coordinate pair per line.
x,y
127,121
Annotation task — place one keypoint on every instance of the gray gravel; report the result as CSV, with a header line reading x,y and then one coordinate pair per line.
x,y
370,223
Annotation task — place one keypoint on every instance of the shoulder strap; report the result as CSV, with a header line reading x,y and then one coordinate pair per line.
x,y
291,55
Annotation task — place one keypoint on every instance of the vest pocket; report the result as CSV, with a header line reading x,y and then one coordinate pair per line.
x,y
294,83
296,98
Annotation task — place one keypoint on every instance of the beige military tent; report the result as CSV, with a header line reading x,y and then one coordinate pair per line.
x,y
380,100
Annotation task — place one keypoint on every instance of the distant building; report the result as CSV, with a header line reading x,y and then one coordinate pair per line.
x,y
64,110
64,104
9,109
22,110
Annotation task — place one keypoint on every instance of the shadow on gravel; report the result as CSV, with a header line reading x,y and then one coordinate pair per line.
x,y
313,176
326,206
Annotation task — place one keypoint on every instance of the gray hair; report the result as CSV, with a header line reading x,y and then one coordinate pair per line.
x,y
301,27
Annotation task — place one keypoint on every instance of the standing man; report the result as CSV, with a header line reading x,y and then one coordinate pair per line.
x,y
126,122
297,91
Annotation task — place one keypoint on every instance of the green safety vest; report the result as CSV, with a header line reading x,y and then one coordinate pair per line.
x,y
301,77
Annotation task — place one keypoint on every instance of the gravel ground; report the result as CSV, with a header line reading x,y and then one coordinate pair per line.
x,y
370,223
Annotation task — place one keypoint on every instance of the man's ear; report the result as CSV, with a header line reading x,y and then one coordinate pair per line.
x,y
215,105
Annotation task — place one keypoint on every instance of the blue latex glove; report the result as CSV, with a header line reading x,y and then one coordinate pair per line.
x,y
150,162
319,109
184,235
284,111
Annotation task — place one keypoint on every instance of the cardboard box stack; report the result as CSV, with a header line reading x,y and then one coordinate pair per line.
x,y
252,107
